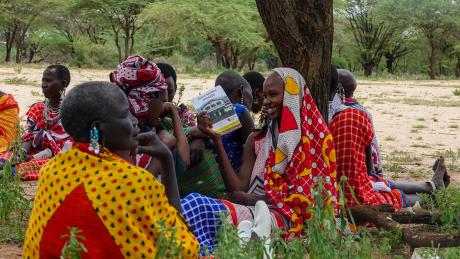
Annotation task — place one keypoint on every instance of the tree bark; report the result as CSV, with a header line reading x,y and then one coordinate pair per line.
x,y
433,59
302,32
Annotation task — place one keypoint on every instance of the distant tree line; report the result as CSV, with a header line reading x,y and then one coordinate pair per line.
x,y
410,36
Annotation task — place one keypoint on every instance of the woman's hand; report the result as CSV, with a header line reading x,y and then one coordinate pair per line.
x,y
151,144
196,151
205,125
168,139
169,108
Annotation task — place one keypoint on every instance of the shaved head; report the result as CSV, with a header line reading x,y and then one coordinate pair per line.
x,y
348,81
236,88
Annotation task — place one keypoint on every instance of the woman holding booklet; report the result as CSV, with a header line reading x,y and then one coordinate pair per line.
x,y
281,165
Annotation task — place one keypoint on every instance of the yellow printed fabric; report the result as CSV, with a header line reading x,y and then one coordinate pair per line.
x,y
121,210
8,121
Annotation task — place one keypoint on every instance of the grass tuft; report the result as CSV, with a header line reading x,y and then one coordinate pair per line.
x,y
420,126
20,81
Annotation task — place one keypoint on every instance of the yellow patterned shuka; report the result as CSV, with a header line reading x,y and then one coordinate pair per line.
x,y
117,207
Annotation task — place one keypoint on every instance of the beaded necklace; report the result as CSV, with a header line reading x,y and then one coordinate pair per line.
x,y
51,114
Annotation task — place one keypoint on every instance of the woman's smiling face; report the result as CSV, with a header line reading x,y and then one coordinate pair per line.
x,y
273,95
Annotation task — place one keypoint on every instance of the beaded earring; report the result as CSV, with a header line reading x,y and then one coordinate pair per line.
x,y
341,91
62,93
94,140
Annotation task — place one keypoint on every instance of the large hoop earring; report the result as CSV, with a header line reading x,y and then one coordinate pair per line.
x,y
94,141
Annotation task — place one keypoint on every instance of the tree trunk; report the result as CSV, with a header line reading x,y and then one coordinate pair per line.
x,y
390,62
10,36
302,32
457,68
127,40
433,59
18,53
117,43
368,68
31,55
247,59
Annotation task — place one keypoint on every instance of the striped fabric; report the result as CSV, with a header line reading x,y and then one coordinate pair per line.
x,y
204,178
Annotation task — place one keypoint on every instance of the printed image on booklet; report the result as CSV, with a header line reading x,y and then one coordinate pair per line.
x,y
219,108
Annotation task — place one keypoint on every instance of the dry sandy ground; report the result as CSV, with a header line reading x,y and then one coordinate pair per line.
x,y
413,119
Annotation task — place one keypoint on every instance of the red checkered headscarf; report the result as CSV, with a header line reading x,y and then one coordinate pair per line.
x,y
138,78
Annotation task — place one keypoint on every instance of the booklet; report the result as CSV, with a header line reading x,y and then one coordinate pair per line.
x,y
219,108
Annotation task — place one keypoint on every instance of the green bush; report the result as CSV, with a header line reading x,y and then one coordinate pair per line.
x,y
88,54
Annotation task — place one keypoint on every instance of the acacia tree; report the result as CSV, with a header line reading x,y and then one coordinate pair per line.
x,y
232,28
398,48
434,19
16,20
371,35
302,32
122,17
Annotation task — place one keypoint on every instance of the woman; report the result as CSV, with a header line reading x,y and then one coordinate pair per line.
x,y
282,164
353,133
256,81
44,136
9,112
146,88
121,210
239,92
203,175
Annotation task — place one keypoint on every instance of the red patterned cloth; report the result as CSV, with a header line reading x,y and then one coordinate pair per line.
x,y
43,136
139,78
352,131
304,155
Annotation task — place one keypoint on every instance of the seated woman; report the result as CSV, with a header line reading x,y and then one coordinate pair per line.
x,y
256,81
353,134
147,96
120,209
239,92
203,174
281,164
9,120
44,136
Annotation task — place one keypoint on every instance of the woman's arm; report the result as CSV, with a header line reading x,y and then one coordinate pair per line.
x,y
233,182
181,140
149,143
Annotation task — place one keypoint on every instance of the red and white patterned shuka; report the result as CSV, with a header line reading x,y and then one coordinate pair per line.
x,y
304,155
352,132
